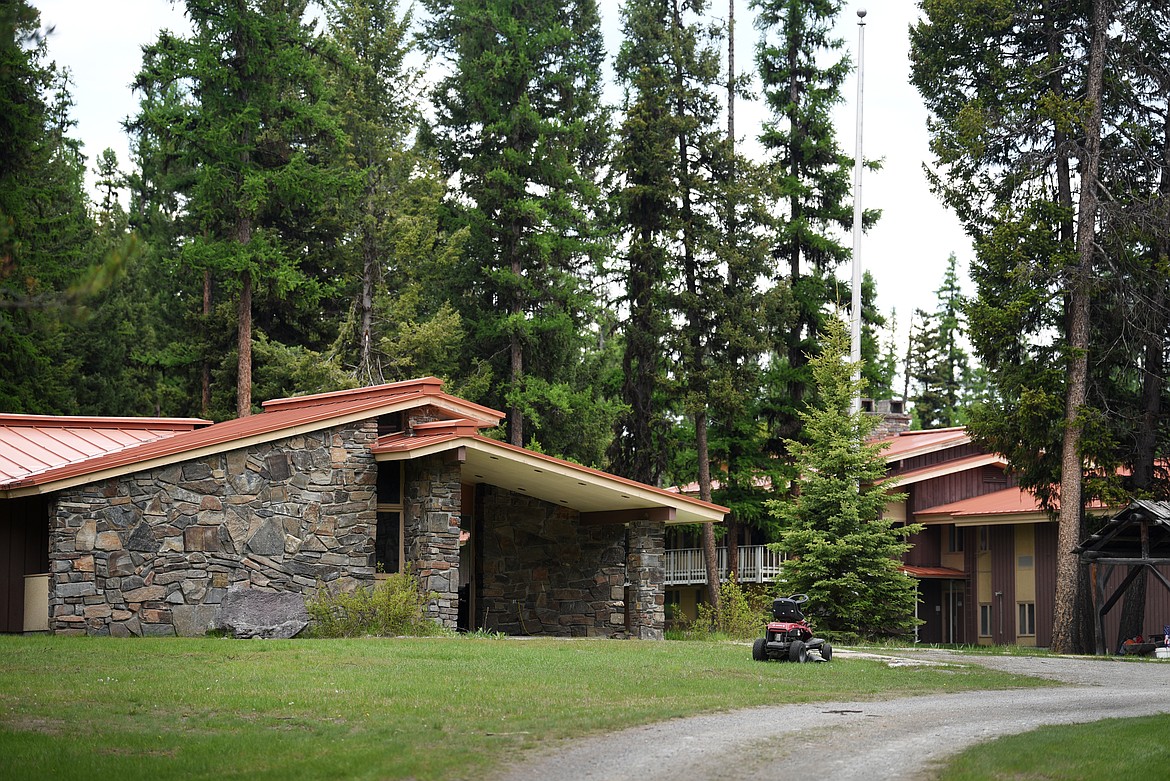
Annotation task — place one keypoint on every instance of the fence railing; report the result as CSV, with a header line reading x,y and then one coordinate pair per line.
x,y
757,564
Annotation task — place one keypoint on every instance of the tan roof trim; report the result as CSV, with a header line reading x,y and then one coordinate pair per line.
x,y
625,493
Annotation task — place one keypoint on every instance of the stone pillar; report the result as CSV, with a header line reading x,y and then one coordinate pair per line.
x,y
646,571
433,504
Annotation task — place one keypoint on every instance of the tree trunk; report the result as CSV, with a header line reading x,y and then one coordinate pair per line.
x,y
516,349
710,554
732,547
244,347
1068,631
368,373
205,369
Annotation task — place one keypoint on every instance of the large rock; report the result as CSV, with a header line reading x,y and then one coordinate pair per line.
x,y
247,612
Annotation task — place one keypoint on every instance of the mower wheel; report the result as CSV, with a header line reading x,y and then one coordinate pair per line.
x,y
797,651
827,652
760,650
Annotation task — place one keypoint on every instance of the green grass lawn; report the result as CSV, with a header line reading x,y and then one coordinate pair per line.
x,y
1102,751
432,708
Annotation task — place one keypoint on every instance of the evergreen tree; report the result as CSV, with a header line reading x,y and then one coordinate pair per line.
x,y
252,126
1018,99
520,123
46,233
942,372
841,551
802,74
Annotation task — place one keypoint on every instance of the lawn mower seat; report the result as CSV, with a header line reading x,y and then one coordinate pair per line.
x,y
784,609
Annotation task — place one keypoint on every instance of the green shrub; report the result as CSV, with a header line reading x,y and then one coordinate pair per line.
x,y
739,617
394,607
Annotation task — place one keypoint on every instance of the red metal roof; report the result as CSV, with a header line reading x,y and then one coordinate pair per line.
x,y
1007,501
913,443
279,418
34,444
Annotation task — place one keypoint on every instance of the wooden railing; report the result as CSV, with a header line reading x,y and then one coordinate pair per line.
x,y
757,564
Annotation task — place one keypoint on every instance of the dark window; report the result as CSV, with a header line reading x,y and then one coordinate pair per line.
x,y
390,482
388,542
954,539
1027,625
389,424
985,620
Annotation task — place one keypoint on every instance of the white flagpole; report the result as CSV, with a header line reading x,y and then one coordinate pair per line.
x,y
855,342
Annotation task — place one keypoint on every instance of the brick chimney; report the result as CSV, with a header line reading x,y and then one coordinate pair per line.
x,y
894,418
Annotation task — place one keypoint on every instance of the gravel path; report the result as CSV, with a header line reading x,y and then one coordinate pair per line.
x,y
894,739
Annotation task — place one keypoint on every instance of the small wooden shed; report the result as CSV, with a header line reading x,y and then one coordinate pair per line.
x,y
1138,537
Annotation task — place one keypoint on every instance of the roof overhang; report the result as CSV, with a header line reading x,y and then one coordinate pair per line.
x,y
598,496
144,457
946,468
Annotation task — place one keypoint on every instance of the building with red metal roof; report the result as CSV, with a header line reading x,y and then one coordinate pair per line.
x,y
128,526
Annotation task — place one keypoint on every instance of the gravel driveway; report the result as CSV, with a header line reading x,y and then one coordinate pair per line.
x,y
894,739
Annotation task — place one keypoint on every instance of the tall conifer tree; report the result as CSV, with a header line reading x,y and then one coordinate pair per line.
x,y
521,125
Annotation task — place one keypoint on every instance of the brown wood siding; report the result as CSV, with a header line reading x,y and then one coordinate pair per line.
x,y
970,603
24,550
951,488
926,545
1045,582
939,457
1003,584
1157,614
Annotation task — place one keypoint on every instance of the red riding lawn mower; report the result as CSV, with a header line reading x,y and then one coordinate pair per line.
x,y
788,637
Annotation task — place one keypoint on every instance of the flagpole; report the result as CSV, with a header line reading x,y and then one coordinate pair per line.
x,y
855,331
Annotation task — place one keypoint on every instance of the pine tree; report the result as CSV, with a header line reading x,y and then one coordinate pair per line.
x,y
841,551
802,73
252,126
46,234
520,123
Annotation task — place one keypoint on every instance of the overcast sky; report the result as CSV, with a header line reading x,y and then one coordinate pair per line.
x,y
100,43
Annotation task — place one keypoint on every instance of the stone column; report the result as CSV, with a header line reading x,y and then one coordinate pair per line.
x,y
646,571
433,505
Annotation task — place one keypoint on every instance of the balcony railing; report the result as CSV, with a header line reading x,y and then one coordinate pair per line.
x,y
757,564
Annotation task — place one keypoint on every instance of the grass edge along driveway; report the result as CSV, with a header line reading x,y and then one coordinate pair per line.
x,y
429,708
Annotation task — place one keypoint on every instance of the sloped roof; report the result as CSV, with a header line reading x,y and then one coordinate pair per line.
x,y
1121,537
947,468
589,491
34,444
908,444
281,418
1010,505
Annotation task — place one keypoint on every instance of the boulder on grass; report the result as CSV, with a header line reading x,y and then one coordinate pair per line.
x,y
249,612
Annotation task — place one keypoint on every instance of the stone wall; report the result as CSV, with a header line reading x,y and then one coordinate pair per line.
x,y
431,532
543,573
646,565
154,552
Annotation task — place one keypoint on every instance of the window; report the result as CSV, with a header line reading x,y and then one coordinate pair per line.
x,y
984,539
993,474
389,539
1027,624
985,620
954,539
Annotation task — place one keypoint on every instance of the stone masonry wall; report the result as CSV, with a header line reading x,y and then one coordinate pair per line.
x,y
545,574
647,574
154,553
431,532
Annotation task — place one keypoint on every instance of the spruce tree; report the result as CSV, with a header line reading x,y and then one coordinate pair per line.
x,y
840,550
